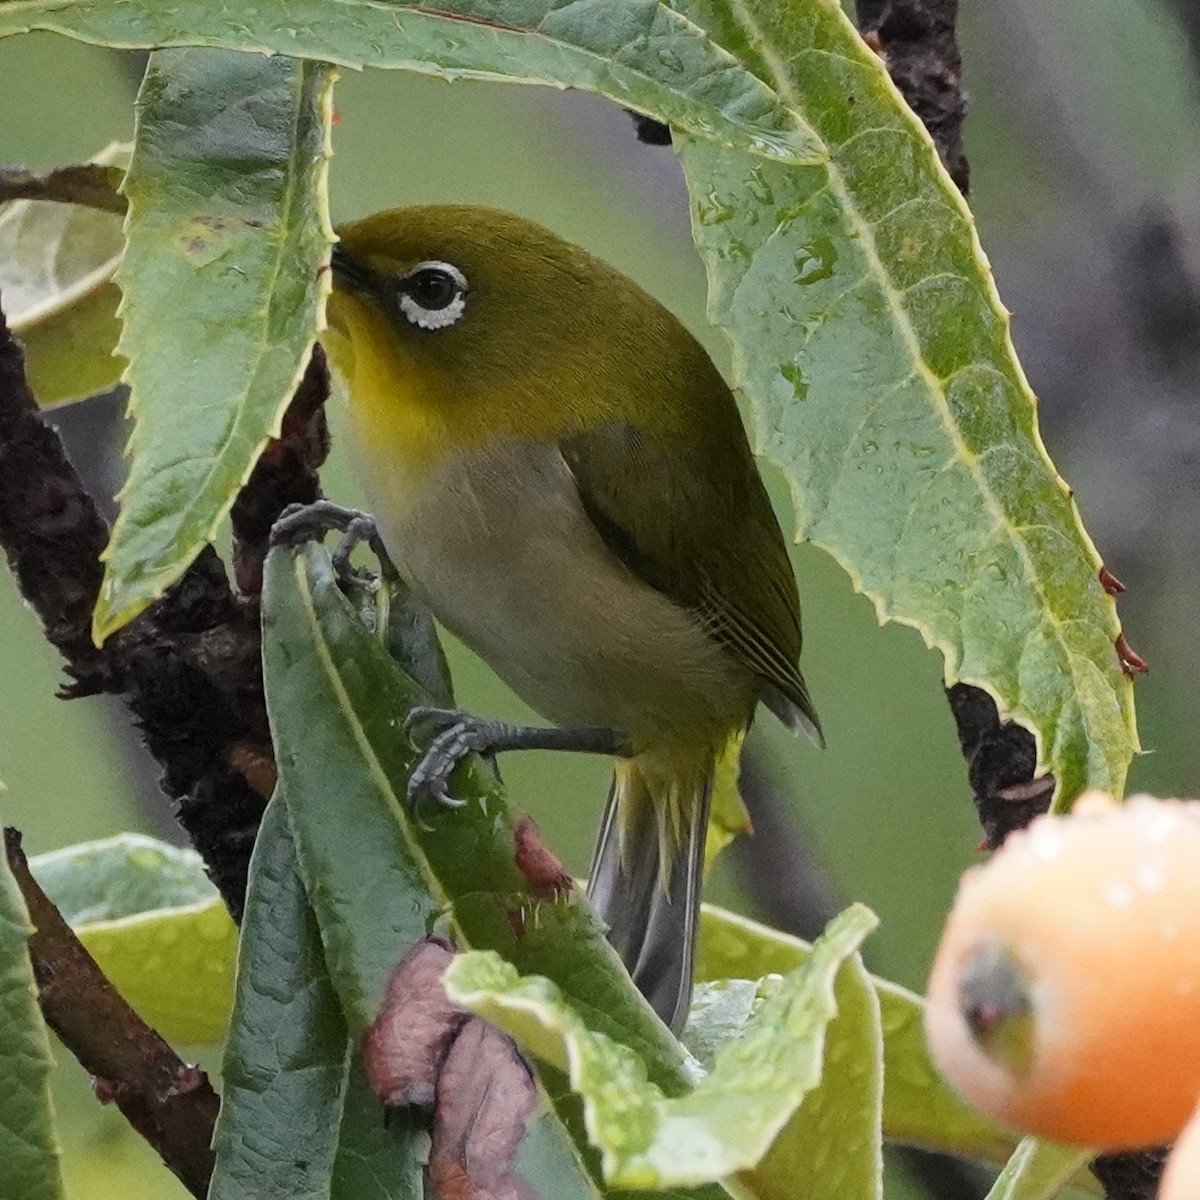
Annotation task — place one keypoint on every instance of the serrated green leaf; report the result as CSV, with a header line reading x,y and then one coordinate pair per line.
x,y
337,702
727,1123
56,267
918,1108
223,293
833,1144
875,352
1039,1171
148,914
285,1061
640,53
29,1149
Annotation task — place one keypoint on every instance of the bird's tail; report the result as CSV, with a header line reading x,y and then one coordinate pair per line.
x,y
647,875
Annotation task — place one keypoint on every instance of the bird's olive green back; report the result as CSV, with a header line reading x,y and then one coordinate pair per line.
x,y
556,345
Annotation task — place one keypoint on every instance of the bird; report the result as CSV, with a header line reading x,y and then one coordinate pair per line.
x,y
560,474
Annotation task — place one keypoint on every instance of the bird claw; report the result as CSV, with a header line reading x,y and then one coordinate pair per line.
x,y
455,735
299,523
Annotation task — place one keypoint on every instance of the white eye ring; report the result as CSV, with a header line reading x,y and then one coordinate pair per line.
x,y
426,316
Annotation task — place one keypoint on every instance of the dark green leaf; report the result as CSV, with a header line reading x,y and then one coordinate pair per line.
x,y
378,1153
285,1060
379,879
337,701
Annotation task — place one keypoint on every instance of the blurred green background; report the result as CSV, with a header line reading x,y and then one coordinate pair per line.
x,y
1081,175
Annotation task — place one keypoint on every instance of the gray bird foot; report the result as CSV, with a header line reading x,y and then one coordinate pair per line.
x,y
299,523
457,734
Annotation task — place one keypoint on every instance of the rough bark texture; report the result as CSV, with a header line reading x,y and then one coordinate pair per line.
x,y
917,41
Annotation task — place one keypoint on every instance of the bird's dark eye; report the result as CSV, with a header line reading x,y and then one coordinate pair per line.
x,y
433,295
432,288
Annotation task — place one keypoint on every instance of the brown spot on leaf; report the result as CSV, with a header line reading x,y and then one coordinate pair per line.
x,y
403,1050
543,872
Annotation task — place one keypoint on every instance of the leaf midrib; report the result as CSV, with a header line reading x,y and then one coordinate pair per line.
x,y
837,184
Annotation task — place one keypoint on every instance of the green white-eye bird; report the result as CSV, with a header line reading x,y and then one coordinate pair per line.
x,y
560,473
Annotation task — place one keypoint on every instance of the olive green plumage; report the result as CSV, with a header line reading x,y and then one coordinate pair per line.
x,y
561,473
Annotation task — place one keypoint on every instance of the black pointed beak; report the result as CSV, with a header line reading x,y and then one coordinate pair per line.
x,y
349,273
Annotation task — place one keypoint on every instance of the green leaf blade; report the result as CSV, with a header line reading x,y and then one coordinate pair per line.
x,y
152,920
29,1151
729,1121
919,1108
639,53
285,1060
227,232
833,1145
1039,1171
875,351
56,268
346,776
379,880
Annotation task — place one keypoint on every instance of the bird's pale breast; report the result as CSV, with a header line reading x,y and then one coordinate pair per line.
x,y
498,545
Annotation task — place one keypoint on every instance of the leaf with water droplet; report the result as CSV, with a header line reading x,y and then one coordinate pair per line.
x,y
645,56
222,296
755,1084
149,915
915,458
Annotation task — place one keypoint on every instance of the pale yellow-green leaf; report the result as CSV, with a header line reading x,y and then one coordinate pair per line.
x,y
729,1121
56,268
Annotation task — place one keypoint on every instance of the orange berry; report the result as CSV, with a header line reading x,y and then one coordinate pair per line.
x,y
1065,996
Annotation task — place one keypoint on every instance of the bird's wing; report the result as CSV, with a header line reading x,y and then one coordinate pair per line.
x,y
692,519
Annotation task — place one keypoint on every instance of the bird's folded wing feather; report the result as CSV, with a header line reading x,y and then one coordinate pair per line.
x,y
695,523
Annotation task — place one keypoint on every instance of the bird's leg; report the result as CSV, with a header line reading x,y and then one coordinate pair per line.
x,y
457,734
310,522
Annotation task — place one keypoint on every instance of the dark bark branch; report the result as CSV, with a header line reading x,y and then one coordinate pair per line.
x,y
1133,1176
1001,758
286,473
917,41
169,1102
93,185
189,668
648,130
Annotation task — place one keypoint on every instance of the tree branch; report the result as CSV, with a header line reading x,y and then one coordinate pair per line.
x,y
917,41
169,1102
